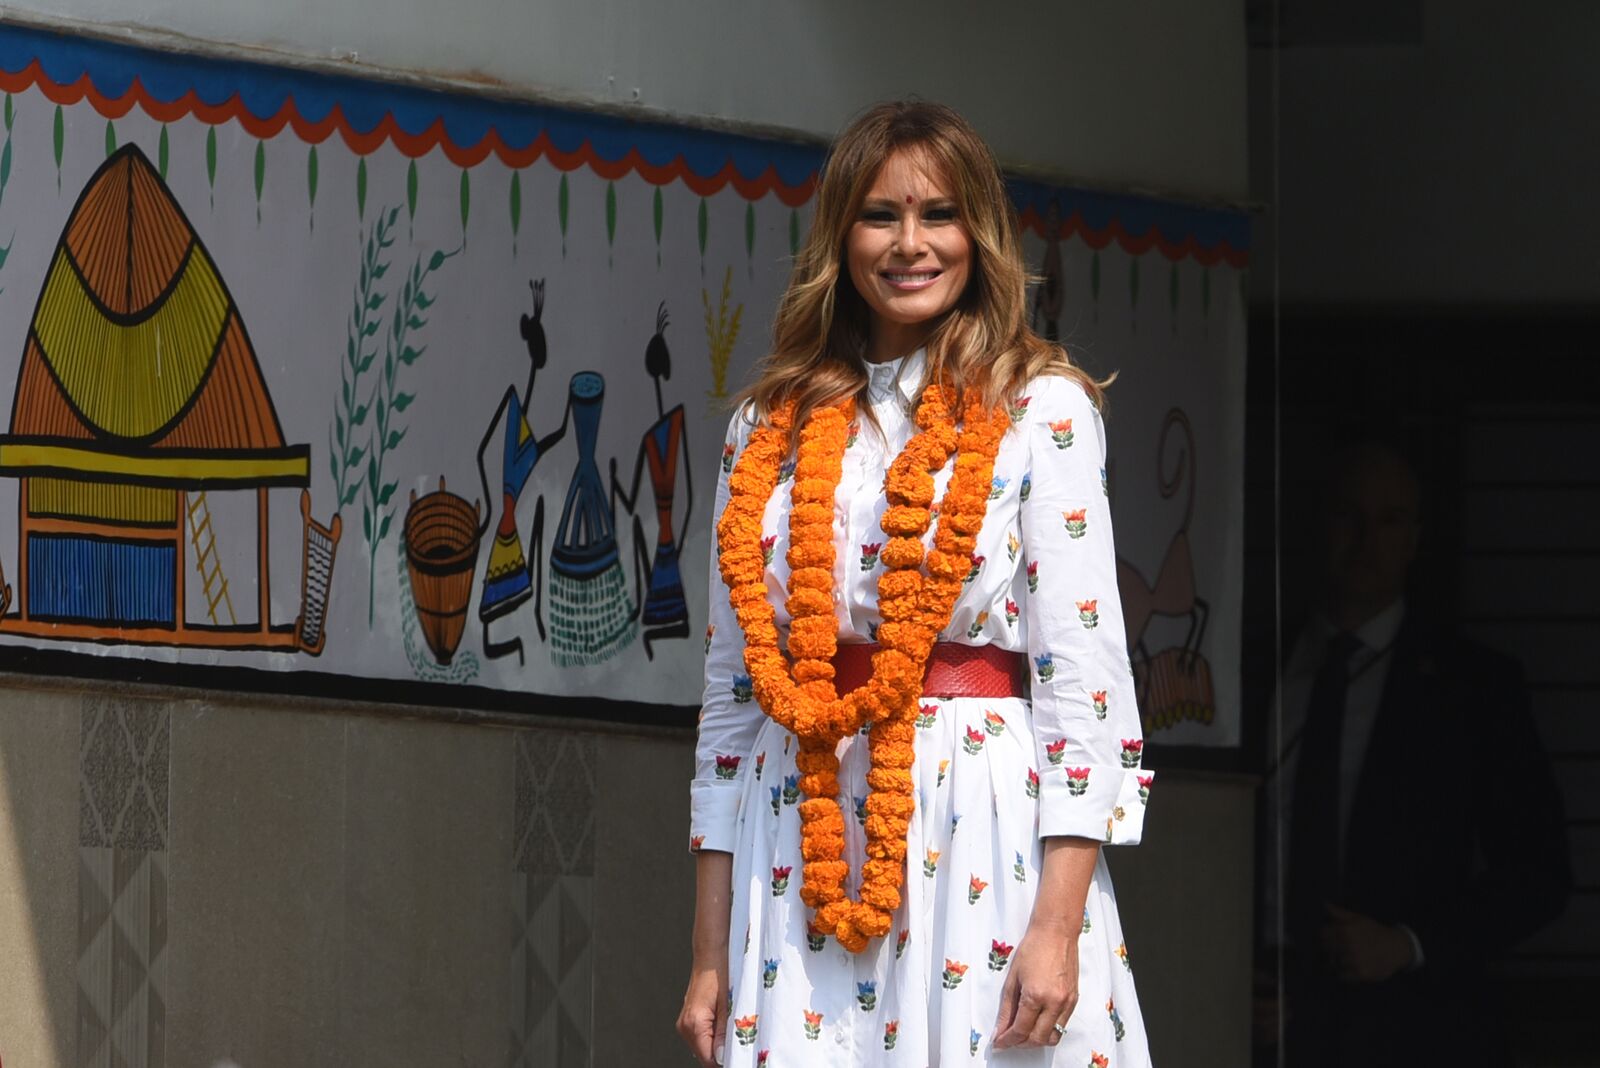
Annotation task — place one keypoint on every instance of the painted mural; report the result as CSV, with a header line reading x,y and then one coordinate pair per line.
x,y
309,374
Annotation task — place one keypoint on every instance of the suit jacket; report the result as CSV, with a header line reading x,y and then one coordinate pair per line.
x,y
1457,831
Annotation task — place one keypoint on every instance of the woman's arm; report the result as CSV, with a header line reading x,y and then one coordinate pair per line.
x,y
1086,725
729,715
1087,734
1041,987
703,1021
729,721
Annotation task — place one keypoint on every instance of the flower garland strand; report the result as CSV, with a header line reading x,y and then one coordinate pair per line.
x,y
914,607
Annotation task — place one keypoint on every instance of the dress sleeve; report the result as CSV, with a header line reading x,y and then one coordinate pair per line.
x,y
729,716
1085,718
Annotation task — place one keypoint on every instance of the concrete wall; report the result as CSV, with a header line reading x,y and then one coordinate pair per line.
x,y
1150,95
346,886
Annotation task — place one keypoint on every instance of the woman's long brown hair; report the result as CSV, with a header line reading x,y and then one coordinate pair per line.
x,y
820,333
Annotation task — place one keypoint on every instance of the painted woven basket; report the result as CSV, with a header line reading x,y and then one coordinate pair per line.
x,y
442,536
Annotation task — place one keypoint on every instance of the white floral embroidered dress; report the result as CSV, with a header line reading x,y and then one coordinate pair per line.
x,y
992,776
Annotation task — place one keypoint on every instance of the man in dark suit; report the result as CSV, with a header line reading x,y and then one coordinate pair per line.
x,y
1423,828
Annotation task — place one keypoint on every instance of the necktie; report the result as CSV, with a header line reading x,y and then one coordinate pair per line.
x,y
1314,819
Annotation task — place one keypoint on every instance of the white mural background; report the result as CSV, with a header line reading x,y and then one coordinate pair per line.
x,y
291,257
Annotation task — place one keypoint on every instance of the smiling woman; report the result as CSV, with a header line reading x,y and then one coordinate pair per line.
x,y
895,690
909,254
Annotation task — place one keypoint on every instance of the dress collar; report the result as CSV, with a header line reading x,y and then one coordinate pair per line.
x,y
902,375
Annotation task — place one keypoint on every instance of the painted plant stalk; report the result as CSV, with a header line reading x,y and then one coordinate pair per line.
x,y
722,333
389,402
349,414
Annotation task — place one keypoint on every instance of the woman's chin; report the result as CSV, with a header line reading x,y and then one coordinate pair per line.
x,y
908,309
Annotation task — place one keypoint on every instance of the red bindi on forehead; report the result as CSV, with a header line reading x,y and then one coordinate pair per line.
x,y
911,200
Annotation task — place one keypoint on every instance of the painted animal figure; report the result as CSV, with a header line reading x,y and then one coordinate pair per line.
x,y
1173,592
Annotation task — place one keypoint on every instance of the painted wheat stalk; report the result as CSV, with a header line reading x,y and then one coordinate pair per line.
x,y
722,332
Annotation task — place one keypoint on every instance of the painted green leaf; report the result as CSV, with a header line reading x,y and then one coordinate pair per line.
x,y
11,113
516,203
411,190
561,207
60,139
1094,276
261,173
361,188
5,165
794,232
611,213
111,138
211,157
311,182
163,153
702,225
657,210
750,230
466,201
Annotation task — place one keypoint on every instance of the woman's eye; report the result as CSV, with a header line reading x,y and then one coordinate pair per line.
x,y
877,216
940,215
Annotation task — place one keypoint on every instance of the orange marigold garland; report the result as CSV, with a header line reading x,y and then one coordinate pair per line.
x,y
915,608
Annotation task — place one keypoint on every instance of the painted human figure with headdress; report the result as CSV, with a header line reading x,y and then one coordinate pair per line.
x,y
658,580
508,580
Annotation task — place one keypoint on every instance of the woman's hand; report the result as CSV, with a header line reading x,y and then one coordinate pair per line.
x,y
703,1021
1041,987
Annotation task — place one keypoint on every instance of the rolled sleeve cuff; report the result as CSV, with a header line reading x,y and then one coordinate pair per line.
x,y
713,815
1099,801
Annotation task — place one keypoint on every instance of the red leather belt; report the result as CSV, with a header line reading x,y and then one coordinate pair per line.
x,y
954,670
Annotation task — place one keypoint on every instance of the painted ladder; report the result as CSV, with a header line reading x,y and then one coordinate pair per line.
x,y
204,538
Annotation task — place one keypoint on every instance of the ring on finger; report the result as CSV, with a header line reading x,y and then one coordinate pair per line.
x,y
1061,1030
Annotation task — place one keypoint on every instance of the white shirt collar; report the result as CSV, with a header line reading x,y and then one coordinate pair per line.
x,y
903,374
1377,633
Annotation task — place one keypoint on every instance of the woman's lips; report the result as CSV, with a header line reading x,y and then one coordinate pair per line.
x,y
909,280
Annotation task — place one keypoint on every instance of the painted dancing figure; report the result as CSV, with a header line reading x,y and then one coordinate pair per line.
x,y
659,583
508,581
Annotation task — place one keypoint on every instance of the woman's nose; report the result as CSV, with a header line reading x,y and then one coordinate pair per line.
x,y
908,236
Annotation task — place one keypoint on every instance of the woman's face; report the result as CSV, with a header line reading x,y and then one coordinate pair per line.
x,y
908,251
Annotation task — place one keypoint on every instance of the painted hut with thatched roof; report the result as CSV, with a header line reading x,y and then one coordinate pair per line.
x,y
138,394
